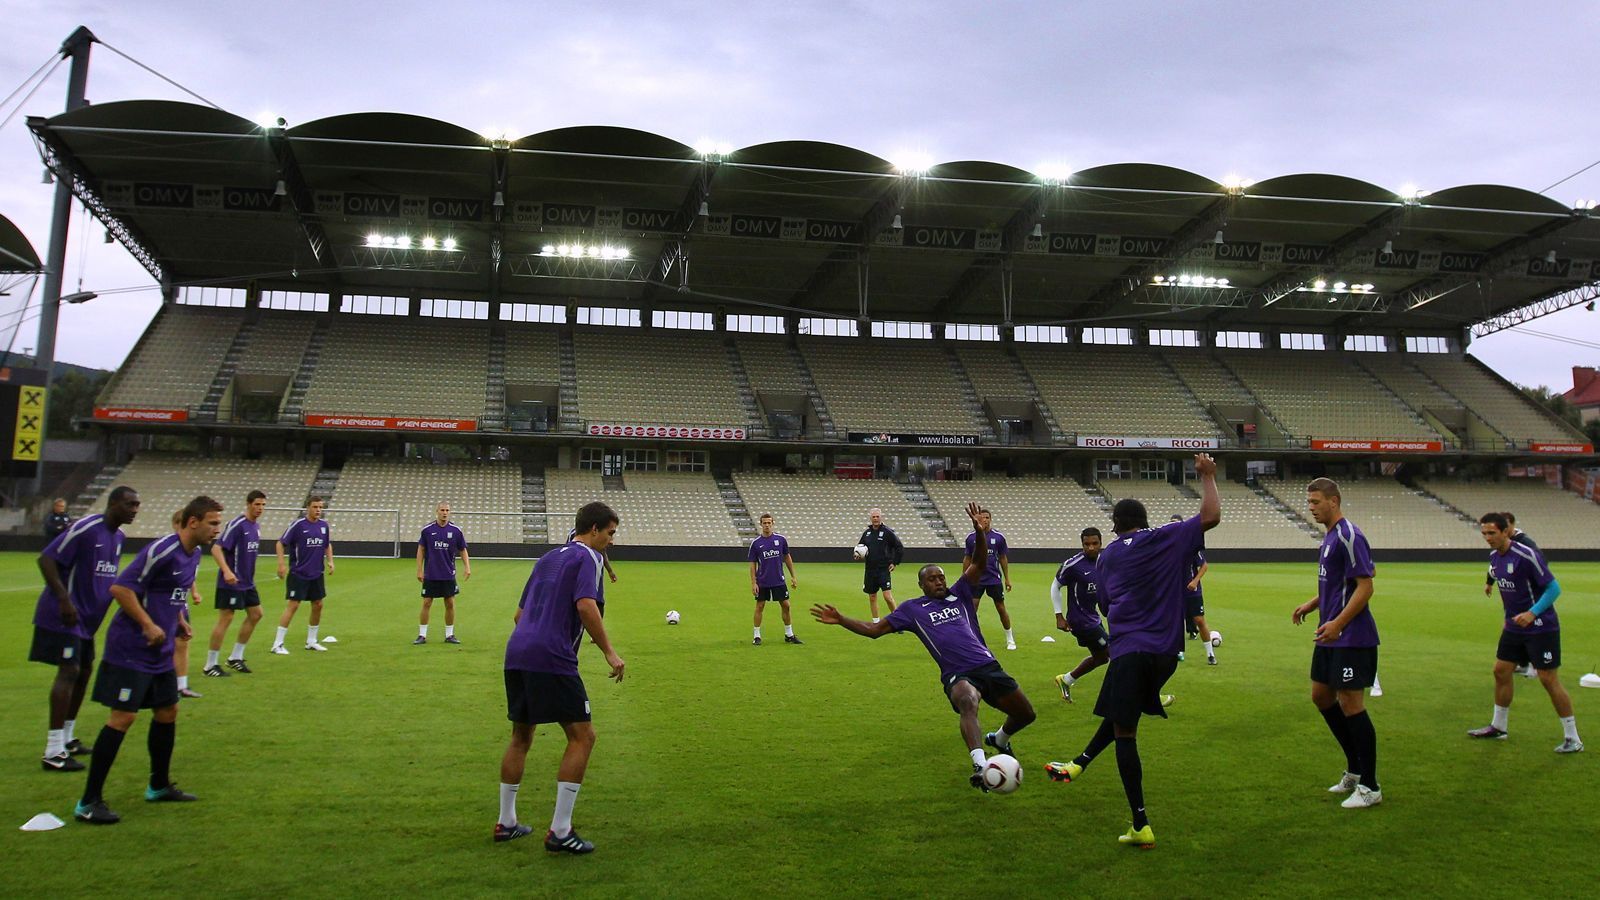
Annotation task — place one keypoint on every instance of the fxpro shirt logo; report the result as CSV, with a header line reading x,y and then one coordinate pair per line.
x,y
771,553
105,568
441,545
942,616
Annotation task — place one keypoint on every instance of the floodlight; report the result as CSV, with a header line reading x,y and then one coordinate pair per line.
x,y
547,250
499,198
1159,279
1319,284
429,243
896,224
593,250
1217,239
1550,257
1388,247
913,163
705,209
1183,279
281,190
623,253
449,243
1038,230
374,239
1222,282
1210,280
404,241
1339,285
1053,172
269,121
79,297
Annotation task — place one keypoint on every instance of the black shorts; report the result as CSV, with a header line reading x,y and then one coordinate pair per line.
x,y
440,587
876,580
777,592
1344,668
228,598
991,681
1132,687
1541,649
130,690
57,648
538,698
306,588
993,592
1194,607
1092,638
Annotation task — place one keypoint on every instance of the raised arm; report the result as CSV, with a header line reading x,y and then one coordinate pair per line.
x,y
1210,503
828,615
979,560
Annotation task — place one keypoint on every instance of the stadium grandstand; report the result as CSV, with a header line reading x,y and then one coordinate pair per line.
x,y
396,311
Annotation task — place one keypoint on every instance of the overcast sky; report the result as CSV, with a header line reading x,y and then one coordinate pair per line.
x,y
1435,94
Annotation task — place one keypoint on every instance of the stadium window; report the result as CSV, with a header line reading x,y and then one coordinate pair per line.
x,y
1113,469
1366,343
533,312
1152,470
606,315
231,298
830,327
1427,345
591,458
294,301
639,460
455,309
363,304
1299,340
913,330
1108,335
1174,337
1042,334
756,324
1239,340
688,461
677,318
965,332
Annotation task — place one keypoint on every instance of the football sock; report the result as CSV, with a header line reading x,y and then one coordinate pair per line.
x,y
55,742
1340,727
66,730
449,631
977,757
1102,739
1132,771
874,620
211,658
1364,738
566,798
311,633
1569,727
183,682
282,633
1211,652
1010,638
1502,716
1000,736
238,652
1069,679
105,753
758,631
508,804
422,631
163,735
788,631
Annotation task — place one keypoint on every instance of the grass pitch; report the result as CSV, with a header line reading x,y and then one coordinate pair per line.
x,y
831,768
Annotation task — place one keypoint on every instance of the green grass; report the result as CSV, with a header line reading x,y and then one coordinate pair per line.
x,y
833,768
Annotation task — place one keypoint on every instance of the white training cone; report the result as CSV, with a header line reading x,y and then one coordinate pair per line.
x,y
1047,639
1590,680
329,640
43,822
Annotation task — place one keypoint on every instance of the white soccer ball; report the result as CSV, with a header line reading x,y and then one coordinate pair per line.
x,y
1216,639
861,552
1002,774
672,617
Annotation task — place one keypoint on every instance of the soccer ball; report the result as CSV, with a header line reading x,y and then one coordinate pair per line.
x,y
1216,638
1002,774
860,552
672,617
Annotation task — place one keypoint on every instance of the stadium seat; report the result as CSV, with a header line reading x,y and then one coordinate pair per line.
x,y
1325,395
1391,515
166,482
819,510
485,500
1554,517
276,345
402,367
1093,389
664,376
176,360
1511,413
888,385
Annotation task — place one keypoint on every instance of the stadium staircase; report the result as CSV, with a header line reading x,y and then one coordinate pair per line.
x,y
1199,409
613,483
1098,495
1238,383
1446,505
1412,412
1292,515
326,482
570,421
969,396
918,497
294,406
226,371
818,406
1470,411
1024,378
494,393
93,491
756,422
737,511
535,521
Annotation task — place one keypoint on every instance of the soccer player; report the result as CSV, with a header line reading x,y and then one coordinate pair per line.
x,y
310,546
1345,658
437,549
69,613
1084,606
946,619
884,552
561,600
1521,537
236,552
180,647
58,520
151,595
1194,603
769,555
1142,576
997,572
1532,634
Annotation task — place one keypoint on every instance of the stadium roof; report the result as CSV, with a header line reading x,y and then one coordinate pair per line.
x,y
16,254
201,196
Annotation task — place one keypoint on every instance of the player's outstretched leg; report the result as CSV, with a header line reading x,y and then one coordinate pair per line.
x,y
1212,639
289,609
1563,704
965,699
1131,768
1067,771
1096,658
252,618
1019,715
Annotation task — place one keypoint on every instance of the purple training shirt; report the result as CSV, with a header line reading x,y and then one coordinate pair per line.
x,y
1345,557
997,549
306,543
440,547
160,575
241,545
1142,577
1522,575
86,555
948,627
547,637
1084,600
768,553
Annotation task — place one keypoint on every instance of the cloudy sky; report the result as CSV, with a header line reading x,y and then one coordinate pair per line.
x,y
1435,94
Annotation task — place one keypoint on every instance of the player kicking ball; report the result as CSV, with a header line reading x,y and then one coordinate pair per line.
x,y
946,619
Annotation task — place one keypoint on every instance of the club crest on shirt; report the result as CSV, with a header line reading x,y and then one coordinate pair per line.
x,y
1510,568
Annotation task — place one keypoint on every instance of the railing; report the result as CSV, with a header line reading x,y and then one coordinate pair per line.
x,y
393,527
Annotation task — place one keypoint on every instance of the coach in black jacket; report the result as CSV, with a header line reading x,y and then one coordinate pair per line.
x,y
884,552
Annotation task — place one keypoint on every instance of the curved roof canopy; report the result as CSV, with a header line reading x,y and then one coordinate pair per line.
x,y
389,203
16,254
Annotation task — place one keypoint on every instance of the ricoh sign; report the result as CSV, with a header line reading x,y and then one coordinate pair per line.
x,y
1115,442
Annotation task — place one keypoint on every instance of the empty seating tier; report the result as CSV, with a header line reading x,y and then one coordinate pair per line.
x,y
1554,517
1504,407
1325,395
177,359
1112,391
1391,515
992,372
166,483
664,376
770,364
1033,511
401,367
485,500
903,385
533,356
677,509
814,510
276,345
